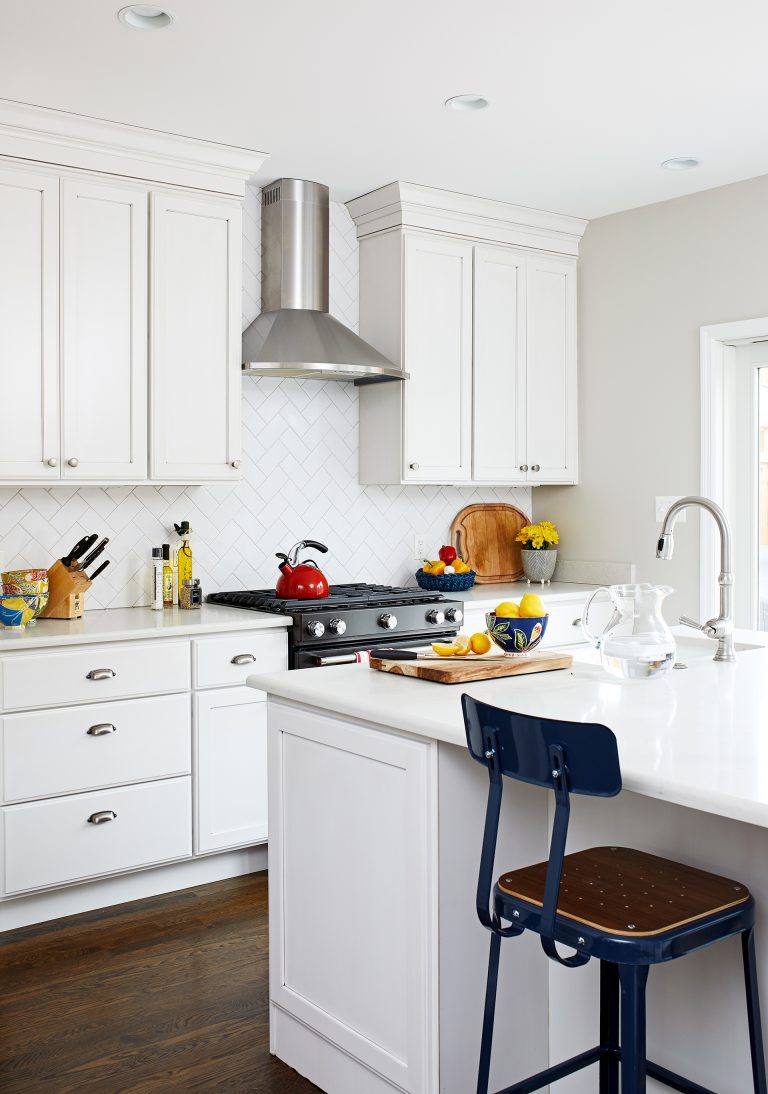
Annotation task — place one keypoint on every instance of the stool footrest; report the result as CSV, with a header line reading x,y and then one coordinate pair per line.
x,y
559,1071
676,1082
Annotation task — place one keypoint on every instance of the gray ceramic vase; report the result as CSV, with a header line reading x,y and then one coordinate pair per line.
x,y
539,565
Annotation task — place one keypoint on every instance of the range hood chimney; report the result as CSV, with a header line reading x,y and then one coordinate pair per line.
x,y
295,335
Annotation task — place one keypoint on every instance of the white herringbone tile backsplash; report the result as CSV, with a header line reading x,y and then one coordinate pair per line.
x,y
299,480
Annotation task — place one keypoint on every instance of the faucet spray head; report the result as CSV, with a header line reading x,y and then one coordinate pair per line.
x,y
665,546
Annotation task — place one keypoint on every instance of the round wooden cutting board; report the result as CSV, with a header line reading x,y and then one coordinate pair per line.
x,y
484,535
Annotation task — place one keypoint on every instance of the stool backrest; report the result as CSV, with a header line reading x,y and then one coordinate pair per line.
x,y
524,746
564,757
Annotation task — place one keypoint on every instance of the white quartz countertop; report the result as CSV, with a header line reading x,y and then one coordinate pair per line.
x,y
486,597
121,624
696,737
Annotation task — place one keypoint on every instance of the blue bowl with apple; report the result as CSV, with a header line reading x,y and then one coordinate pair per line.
x,y
516,635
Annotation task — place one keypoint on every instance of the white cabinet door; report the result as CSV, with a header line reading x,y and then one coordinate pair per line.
x,y
230,769
104,330
438,357
552,442
499,395
195,348
29,325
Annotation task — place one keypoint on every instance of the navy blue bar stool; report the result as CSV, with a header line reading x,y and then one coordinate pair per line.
x,y
626,908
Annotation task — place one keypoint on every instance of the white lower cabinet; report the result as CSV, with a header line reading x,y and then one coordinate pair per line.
x,y
230,768
56,841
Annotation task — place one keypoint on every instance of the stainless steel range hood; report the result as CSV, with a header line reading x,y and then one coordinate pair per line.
x,y
295,335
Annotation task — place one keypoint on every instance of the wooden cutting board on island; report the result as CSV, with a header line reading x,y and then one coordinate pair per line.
x,y
451,670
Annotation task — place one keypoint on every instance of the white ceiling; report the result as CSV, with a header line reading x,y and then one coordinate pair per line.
x,y
586,98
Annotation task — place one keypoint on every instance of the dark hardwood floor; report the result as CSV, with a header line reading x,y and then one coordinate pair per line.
x,y
168,993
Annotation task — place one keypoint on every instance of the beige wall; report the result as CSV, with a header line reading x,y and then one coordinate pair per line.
x,y
648,279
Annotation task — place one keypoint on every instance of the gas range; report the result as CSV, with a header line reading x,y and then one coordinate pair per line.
x,y
353,618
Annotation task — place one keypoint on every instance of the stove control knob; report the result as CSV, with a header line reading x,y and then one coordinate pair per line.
x,y
435,616
316,628
388,621
454,615
337,626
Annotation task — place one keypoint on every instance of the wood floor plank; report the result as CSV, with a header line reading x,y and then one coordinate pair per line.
x,y
169,993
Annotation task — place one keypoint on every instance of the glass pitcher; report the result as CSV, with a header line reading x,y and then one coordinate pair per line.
x,y
636,643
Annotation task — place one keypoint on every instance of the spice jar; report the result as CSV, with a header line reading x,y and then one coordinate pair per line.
x,y
190,594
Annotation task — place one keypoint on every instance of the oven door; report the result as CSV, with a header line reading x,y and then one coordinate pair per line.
x,y
337,654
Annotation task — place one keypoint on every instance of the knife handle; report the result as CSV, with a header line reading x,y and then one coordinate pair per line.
x,y
94,554
80,548
96,573
395,655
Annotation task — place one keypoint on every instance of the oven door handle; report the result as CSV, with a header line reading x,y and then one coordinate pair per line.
x,y
336,659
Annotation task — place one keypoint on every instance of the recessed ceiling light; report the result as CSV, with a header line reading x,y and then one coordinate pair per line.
x,y
145,17
466,102
680,163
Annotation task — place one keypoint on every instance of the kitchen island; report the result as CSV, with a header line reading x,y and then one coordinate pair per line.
x,y
376,812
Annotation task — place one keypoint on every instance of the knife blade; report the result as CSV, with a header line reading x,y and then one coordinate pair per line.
x,y
101,569
94,553
79,549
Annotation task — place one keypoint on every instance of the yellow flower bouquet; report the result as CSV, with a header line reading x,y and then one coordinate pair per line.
x,y
538,537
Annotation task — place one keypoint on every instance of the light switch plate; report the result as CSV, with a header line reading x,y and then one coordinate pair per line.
x,y
663,504
419,546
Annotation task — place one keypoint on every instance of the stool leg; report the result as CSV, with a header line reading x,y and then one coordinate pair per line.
x,y
488,1015
753,1012
609,1026
633,979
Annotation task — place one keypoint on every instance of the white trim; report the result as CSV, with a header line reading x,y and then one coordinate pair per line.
x,y
93,144
715,344
410,205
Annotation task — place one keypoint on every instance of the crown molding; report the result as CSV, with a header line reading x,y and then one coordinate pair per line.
x,y
74,140
410,205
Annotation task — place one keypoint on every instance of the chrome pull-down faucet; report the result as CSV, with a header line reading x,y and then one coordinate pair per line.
x,y
720,628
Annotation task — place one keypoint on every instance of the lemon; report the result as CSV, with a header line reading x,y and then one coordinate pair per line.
x,y
460,647
507,609
443,650
480,642
462,644
531,607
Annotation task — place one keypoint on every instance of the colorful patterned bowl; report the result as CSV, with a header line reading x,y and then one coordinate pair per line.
x,y
27,583
17,611
516,634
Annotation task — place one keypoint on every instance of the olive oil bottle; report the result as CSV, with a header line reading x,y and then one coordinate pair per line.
x,y
183,555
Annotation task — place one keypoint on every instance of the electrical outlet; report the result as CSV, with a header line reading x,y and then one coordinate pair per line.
x,y
663,504
419,546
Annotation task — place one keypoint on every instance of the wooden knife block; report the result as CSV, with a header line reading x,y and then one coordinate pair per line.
x,y
66,592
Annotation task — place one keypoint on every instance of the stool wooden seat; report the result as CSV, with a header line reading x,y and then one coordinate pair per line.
x,y
627,909
621,891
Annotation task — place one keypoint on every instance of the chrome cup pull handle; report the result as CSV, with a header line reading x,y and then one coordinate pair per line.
x,y
102,816
243,659
101,729
101,674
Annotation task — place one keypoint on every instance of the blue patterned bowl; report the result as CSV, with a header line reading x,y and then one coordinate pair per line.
x,y
17,611
516,634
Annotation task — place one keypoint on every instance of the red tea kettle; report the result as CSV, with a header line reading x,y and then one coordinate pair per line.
x,y
301,581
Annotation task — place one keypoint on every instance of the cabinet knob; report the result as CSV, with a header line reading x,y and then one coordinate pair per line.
x,y
235,464
535,467
413,466
243,659
73,461
100,674
100,729
523,466
102,816
52,462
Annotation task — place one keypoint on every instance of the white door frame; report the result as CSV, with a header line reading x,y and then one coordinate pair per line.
x,y
716,346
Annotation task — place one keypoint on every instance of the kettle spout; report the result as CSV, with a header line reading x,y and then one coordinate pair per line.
x,y
285,566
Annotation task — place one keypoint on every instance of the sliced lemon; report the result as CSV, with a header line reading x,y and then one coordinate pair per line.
x,y
463,645
480,642
444,650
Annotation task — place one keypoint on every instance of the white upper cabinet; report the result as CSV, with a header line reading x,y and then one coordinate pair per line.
x,y
438,351
195,342
552,423
104,330
476,300
499,374
29,324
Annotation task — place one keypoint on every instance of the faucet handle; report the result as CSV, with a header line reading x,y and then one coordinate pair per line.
x,y
705,628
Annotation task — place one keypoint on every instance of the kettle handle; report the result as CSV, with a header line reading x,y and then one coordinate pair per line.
x,y
313,543
589,634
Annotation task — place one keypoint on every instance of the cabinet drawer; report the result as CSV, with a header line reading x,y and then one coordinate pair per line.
x,y
114,671
53,842
87,747
231,659
564,627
